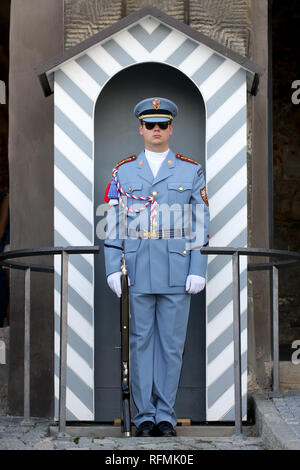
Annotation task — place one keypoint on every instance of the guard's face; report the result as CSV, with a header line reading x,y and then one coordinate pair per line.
x,y
156,139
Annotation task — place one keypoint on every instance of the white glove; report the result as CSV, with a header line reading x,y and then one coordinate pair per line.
x,y
114,282
194,284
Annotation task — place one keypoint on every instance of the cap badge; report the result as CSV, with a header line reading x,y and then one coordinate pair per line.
x,y
156,104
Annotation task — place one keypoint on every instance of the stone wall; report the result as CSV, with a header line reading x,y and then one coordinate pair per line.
x,y
4,64
228,22
286,160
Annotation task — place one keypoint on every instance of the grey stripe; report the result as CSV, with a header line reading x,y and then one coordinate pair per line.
x,y
224,339
93,69
77,343
69,211
230,415
78,261
237,203
75,92
224,298
73,174
118,53
224,175
227,131
206,69
149,41
182,52
72,131
224,382
225,92
215,266
69,415
78,387
76,300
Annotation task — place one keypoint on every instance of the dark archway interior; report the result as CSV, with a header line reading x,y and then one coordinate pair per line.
x,y
116,136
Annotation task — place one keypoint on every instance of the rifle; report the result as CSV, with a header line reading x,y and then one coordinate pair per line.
x,y
124,323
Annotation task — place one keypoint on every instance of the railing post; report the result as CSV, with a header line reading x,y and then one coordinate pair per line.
x,y
26,420
275,343
63,346
237,344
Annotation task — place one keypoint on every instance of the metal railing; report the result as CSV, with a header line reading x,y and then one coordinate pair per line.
x,y
292,259
64,252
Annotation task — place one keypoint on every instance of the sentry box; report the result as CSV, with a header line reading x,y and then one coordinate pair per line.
x,y
96,85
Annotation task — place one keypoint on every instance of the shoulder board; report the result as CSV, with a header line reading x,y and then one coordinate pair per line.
x,y
186,159
125,160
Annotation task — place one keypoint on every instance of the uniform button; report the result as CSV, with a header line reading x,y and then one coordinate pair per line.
x,y
130,189
180,188
154,193
184,252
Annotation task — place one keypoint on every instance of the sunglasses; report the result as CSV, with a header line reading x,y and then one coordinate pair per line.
x,y
162,125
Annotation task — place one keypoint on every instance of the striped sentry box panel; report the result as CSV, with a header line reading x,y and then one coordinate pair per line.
x,y
222,83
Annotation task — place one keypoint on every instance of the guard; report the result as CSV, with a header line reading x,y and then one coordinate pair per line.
x,y
164,267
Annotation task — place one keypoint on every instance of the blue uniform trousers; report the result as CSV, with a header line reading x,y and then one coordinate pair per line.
x,y
158,327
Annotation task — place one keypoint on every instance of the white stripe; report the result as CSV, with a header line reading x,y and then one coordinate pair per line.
x,y
67,229
74,112
224,319
230,230
77,364
194,61
88,257
133,47
77,322
226,401
80,284
149,24
73,194
73,153
82,290
224,360
82,79
225,153
107,63
166,48
228,192
84,287
76,407
219,282
217,79
225,112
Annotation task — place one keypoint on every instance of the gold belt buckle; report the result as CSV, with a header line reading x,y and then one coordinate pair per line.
x,y
146,234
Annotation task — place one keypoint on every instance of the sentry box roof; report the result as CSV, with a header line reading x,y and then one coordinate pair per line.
x,y
131,23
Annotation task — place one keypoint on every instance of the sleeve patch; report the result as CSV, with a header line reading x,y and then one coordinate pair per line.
x,y
204,195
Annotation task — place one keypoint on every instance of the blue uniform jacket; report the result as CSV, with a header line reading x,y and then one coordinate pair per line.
x,y
159,266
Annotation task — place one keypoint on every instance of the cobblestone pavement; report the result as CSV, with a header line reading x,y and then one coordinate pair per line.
x,y
13,436
288,407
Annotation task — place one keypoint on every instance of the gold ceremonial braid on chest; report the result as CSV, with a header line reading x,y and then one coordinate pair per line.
x,y
186,159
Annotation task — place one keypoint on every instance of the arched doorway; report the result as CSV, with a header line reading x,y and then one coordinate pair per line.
x,y
116,136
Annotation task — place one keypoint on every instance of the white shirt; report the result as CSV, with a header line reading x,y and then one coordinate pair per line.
x,y
155,160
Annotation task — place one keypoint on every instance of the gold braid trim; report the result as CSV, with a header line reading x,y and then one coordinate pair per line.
x,y
125,160
186,159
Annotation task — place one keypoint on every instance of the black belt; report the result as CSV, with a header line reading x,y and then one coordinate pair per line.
x,y
157,234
